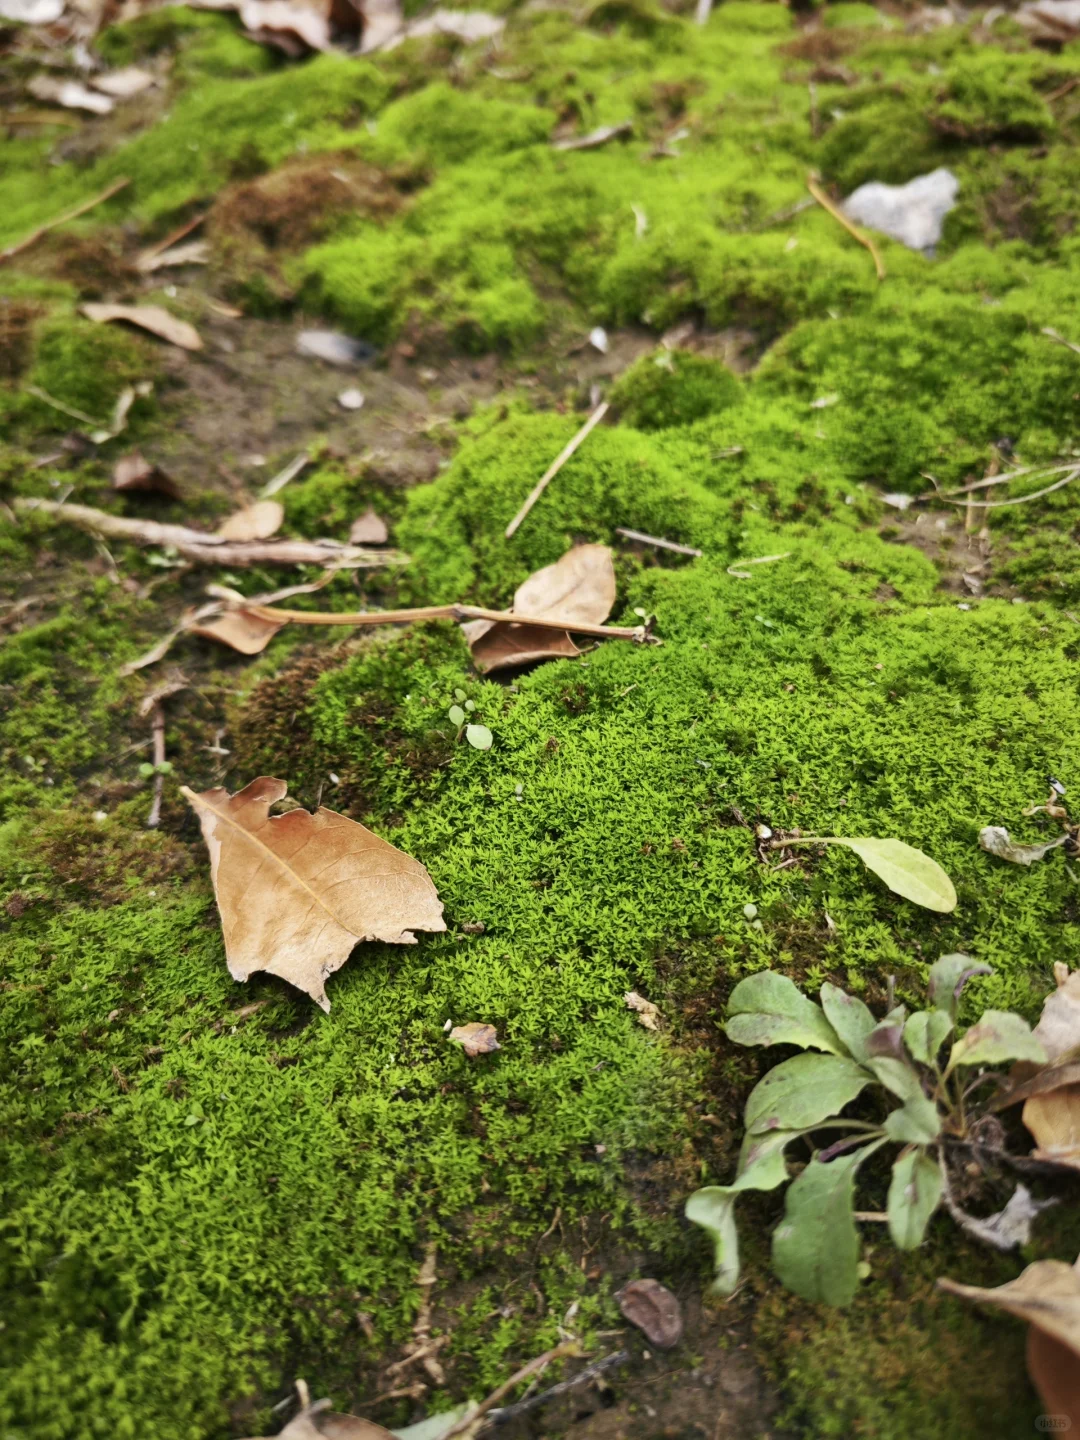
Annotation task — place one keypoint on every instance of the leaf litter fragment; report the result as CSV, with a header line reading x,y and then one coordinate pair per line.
x,y
71,94
647,1013
154,318
297,892
133,472
996,841
578,587
369,529
333,348
475,1038
255,522
654,1310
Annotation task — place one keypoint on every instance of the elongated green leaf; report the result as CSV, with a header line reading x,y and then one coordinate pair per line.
x,y
816,1246
890,1062
916,1122
849,1017
769,1009
803,1091
948,977
761,1167
925,1033
998,1036
914,1195
905,870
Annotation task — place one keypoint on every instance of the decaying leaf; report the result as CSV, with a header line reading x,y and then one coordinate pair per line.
x,y
997,1036
1058,1030
1053,1119
1008,1228
647,1013
240,629
995,839
369,529
195,252
70,93
595,138
1046,1294
133,472
316,1421
254,522
466,25
294,29
154,318
298,892
475,1038
580,586
654,1310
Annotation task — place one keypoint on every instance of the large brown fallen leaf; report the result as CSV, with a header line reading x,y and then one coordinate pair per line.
x,y
240,629
298,892
580,586
154,318
1047,1295
254,522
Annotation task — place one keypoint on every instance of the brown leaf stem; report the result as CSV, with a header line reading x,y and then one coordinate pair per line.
x,y
444,612
853,230
567,1348
35,235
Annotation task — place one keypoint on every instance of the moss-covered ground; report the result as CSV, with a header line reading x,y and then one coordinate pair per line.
x,y
201,1199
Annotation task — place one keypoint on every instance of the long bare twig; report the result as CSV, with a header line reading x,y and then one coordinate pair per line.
x,y
157,731
507,1413
1017,500
35,235
555,466
853,230
443,612
568,1347
200,546
656,540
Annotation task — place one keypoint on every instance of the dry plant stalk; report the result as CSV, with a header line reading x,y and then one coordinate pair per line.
x,y
555,466
853,230
35,235
444,612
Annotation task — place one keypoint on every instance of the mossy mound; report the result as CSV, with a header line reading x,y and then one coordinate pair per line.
x,y
204,1200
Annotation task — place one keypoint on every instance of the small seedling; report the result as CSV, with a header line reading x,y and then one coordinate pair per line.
x,y
928,1107
146,770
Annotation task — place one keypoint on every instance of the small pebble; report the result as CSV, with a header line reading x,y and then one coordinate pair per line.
x,y
351,399
750,911
598,339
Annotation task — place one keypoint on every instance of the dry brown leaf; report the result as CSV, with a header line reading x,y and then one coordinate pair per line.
x,y
254,522
369,529
194,252
1054,1121
298,892
647,1013
295,29
318,1422
241,630
133,472
1047,1295
654,1310
1058,1030
154,318
475,1038
1055,1374
580,586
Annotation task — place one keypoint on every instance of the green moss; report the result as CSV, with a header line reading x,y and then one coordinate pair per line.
x,y
206,44
673,387
85,365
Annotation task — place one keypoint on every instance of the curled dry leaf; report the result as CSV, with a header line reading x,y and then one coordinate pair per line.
x,y
996,840
1047,1296
580,586
123,84
240,629
154,318
369,529
654,1310
298,891
318,1422
475,1038
1052,1111
647,1013
133,472
1058,1030
254,522
195,252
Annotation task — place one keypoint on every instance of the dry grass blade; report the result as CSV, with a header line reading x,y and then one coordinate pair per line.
x,y
35,235
1017,500
853,230
298,892
661,544
154,318
534,1367
555,466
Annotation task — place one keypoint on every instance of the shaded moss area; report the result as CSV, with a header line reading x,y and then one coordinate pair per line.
x,y
203,1200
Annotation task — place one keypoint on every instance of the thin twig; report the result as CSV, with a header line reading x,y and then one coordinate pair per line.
x,y
153,251
657,541
157,732
988,480
534,1367
556,465
1019,499
511,1412
35,235
1052,334
443,612
703,11
853,230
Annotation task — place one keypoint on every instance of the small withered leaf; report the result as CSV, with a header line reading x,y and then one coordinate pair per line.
x,y
475,1038
154,318
254,522
654,1310
369,529
133,472
297,892
647,1013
